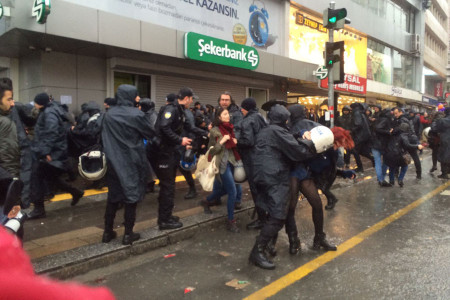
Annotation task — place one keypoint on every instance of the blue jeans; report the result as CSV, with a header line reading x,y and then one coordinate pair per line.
x,y
380,167
227,186
401,175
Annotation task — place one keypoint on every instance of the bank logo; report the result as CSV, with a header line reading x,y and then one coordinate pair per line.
x,y
41,9
209,49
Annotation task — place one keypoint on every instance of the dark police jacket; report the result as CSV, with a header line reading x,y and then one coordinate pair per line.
x,y
274,153
123,129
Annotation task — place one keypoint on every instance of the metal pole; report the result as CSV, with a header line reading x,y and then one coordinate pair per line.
x,y
330,77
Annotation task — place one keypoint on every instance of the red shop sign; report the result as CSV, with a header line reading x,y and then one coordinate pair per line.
x,y
438,89
353,84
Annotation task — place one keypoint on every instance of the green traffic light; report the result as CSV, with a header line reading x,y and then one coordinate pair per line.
x,y
330,62
332,20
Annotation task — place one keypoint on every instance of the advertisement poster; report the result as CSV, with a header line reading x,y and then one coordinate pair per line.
x,y
307,39
379,67
254,23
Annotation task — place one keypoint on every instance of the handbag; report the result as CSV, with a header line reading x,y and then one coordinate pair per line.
x,y
406,158
206,171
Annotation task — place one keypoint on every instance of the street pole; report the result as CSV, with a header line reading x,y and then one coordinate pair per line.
x,y
330,77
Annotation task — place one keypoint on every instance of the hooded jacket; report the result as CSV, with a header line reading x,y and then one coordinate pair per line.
x,y
442,126
236,118
415,121
84,136
345,120
274,153
298,120
50,136
123,129
360,128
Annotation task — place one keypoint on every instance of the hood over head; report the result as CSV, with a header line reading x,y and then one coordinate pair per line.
x,y
91,106
297,112
346,108
357,106
278,115
126,95
386,113
404,127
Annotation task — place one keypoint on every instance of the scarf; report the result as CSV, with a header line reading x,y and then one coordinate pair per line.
x,y
227,128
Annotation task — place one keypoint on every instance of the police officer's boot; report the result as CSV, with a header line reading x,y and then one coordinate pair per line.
x,y
258,257
294,243
37,213
271,246
321,242
191,194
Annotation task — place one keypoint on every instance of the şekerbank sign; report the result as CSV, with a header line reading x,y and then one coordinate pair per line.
x,y
205,48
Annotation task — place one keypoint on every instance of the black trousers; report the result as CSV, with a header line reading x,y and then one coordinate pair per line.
x,y
165,163
44,174
417,163
253,189
434,153
188,176
129,216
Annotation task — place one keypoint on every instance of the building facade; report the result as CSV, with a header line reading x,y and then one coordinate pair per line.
x,y
82,50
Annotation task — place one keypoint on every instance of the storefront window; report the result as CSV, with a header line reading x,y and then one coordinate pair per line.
x,y
403,70
379,66
142,82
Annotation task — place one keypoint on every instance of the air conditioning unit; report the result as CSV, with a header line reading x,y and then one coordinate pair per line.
x,y
415,43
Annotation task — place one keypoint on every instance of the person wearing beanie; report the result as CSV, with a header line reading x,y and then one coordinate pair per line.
x,y
42,99
252,123
50,156
248,104
442,127
171,98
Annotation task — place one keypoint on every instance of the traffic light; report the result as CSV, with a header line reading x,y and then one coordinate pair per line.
x,y
334,18
334,59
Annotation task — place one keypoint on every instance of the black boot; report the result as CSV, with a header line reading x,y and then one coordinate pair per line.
x,y
258,257
331,203
434,168
191,194
294,243
76,196
271,246
384,184
37,213
257,224
206,206
128,239
108,236
321,242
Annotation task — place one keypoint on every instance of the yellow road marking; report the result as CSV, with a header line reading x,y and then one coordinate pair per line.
x,y
62,197
313,265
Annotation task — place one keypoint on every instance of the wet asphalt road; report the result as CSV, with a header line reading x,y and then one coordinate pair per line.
x,y
407,259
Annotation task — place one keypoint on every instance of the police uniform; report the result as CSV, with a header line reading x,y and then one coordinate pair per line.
x,y
163,157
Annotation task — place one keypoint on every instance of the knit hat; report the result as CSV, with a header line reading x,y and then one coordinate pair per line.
x,y
42,99
248,104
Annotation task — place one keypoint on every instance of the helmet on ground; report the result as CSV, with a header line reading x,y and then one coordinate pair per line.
x,y
239,173
322,137
92,165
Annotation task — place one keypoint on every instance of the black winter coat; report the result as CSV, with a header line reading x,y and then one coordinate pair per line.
x,y
251,125
50,136
275,151
345,121
442,126
123,129
381,130
360,128
399,144
236,118
417,126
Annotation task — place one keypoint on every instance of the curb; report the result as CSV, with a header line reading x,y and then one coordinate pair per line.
x,y
81,260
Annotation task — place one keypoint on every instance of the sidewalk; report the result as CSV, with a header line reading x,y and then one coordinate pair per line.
x,y
68,241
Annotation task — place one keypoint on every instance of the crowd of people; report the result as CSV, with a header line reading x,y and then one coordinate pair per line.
x,y
280,155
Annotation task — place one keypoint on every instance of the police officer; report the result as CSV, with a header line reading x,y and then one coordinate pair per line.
x,y
163,158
